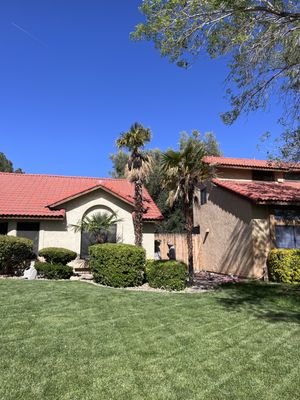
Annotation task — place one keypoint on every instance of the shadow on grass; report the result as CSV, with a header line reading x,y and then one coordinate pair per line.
x,y
272,302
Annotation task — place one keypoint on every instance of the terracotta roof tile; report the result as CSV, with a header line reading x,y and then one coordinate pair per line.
x,y
30,195
251,163
270,192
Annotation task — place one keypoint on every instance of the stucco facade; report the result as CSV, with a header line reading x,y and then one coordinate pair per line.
x,y
235,234
237,216
61,234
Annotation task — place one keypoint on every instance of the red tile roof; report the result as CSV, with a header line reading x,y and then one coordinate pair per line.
x,y
263,192
251,163
28,195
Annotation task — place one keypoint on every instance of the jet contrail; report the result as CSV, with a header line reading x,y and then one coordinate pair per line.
x,y
28,34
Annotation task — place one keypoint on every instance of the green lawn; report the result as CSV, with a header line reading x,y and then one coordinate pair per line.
x,y
71,340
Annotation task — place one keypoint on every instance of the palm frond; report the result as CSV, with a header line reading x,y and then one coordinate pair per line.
x,y
97,224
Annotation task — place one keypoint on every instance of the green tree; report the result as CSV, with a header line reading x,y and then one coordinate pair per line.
x,y
137,171
98,225
184,170
173,221
7,166
119,161
260,38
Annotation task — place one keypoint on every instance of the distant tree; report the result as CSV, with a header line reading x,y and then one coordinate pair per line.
x,y
119,161
183,171
208,140
7,166
137,170
260,39
173,221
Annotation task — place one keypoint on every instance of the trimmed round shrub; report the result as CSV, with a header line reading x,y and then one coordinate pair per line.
x,y
284,265
53,271
117,265
57,255
170,275
15,253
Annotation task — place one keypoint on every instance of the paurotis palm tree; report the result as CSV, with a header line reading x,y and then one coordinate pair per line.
x,y
137,170
97,224
184,170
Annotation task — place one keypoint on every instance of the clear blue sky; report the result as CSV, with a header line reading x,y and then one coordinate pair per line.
x,y
71,81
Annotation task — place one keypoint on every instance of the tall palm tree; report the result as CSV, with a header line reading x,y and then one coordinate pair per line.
x,y
137,171
98,225
183,171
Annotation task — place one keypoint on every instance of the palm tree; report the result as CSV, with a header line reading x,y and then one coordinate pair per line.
x,y
137,171
183,171
98,225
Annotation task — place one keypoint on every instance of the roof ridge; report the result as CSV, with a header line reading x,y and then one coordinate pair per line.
x,y
254,159
62,176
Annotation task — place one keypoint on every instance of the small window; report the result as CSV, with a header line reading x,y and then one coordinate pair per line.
x,y
28,226
203,194
196,230
287,214
267,176
3,228
292,176
287,237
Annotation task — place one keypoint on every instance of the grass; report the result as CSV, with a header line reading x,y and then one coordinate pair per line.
x,y
74,341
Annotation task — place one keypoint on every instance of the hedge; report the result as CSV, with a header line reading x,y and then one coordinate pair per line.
x,y
57,255
170,275
117,265
15,253
284,265
53,271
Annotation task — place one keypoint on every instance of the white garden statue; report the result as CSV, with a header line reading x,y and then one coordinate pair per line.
x,y
31,272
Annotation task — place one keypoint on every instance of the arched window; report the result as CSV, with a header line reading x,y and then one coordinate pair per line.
x,y
88,239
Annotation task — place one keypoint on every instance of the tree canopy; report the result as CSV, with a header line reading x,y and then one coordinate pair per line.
x,y
173,216
261,38
7,166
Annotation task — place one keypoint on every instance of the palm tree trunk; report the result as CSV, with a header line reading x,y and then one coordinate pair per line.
x,y
189,223
138,214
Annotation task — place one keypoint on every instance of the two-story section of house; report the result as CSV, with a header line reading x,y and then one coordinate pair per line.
x,y
249,207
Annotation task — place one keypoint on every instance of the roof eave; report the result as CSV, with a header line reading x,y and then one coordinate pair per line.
x,y
79,194
278,203
32,217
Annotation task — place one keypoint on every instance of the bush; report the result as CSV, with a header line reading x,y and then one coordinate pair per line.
x,y
15,252
57,255
284,265
117,265
53,271
170,275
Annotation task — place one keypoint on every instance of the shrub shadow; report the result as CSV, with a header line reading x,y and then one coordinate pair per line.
x,y
272,302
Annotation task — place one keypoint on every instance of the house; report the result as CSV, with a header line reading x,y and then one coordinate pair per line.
x,y
249,207
44,208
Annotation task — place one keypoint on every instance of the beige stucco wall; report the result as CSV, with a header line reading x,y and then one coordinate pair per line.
x,y
234,234
261,236
234,173
61,234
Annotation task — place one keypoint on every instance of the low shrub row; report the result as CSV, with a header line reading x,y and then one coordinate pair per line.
x,y
124,265
53,271
57,255
170,275
118,265
55,266
284,265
